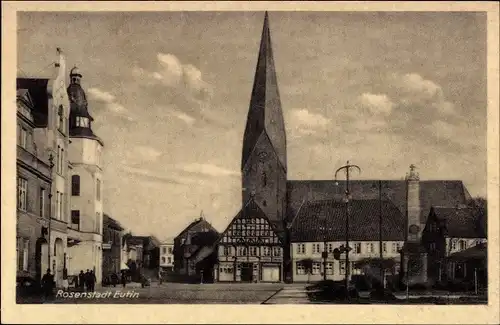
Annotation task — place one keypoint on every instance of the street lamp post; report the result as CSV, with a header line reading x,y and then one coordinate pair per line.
x,y
347,168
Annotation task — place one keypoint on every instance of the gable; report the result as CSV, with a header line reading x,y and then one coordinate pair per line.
x,y
250,226
24,96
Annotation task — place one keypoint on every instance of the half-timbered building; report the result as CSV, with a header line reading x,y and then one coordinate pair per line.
x,y
250,249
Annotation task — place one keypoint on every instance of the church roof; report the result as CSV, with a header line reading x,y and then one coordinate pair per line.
x,y
312,219
265,114
447,193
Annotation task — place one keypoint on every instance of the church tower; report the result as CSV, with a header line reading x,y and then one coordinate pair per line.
x,y
85,156
263,164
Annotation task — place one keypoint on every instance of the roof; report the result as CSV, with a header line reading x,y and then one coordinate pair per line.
x,y
448,193
194,223
39,89
479,251
314,217
459,222
112,223
265,115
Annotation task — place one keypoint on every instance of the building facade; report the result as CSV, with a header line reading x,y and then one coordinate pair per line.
x,y
250,250
167,256
85,154
320,227
33,189
448,231
111,246
51,135
197,235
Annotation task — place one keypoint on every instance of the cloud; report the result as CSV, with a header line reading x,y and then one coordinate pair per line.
x,y
183,117
302,122
413,90
153,176
376,103
208,170
147,153
100,95
174,74
109,101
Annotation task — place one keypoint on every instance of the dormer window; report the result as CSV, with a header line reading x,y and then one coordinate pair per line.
x,y
82,122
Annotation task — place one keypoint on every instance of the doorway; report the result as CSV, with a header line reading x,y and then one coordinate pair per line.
x,y
41,258
246,272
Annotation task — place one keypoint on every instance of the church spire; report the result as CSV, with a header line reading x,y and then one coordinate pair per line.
x,y
265,117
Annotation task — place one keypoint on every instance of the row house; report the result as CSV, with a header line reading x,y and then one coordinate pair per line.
x,y
320,227
250,249
111,246
43,134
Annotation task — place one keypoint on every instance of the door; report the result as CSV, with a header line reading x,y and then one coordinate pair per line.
x,y
246,272
271,273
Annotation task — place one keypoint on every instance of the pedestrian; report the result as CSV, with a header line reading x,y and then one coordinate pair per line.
x,y
92,280
114,279
160,278
48,284
65,281
81,280
87,280
124,279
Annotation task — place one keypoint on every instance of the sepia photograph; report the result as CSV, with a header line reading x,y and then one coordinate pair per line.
x,y
265,157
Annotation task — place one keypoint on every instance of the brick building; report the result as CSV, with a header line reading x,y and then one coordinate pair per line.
x,y
111,246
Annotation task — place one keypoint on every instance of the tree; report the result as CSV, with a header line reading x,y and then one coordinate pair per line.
x,y
307,263
479,207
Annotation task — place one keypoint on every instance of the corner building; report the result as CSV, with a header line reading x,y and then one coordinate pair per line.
x,y
85,155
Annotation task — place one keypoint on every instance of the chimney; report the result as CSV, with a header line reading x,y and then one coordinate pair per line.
x,y
414,228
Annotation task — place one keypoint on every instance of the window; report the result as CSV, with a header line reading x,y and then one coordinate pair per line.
x,y
61,206
253,251
75,219
316,248
369,246
264,179
98,222
82,122
170,250
163,259
42,202
58,159
267,251
277,251
60,120
357,248
98,190
316,267
330,248
61,165
342,267
75,185
329,268
22,193
264,203
226,250
433,246
453,244
384,247
463,245
23,138
394,248
169,260
242,251
299,267
22,254
301,249
164,250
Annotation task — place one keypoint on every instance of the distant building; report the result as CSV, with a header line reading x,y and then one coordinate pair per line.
x,y
50,136
167,256
85,154
111,246
148,250
324,221
449,231
198,237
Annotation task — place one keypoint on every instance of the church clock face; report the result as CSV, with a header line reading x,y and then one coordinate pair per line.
x,y
262,156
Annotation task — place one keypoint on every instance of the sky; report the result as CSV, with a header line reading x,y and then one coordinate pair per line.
x,y
169,92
